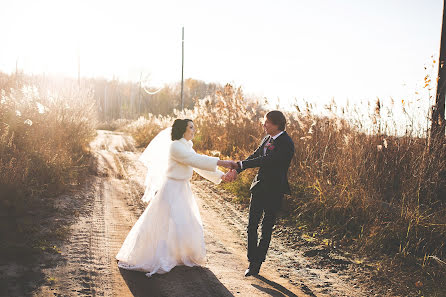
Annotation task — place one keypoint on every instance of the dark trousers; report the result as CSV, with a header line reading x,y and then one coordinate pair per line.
x,y
267,206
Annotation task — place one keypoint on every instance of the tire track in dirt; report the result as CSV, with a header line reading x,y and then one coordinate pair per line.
x,y
85,269
89,268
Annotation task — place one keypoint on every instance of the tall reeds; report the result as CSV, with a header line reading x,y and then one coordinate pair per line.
x,y
361,187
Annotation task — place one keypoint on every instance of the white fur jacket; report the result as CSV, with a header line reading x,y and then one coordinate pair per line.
x,y
183,160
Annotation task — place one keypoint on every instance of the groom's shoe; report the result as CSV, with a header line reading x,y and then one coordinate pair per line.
x,y
253,269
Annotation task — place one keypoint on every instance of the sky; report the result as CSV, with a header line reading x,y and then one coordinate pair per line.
x,y
317,50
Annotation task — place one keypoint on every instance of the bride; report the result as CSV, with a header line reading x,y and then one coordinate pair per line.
x,y
170,232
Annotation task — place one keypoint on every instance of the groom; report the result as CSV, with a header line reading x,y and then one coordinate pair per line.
x,y
273,158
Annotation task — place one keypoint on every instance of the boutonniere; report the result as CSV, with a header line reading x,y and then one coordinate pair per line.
x,y
270,146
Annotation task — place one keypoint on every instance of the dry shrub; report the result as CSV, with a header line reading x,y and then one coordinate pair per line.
x,y
144,129
113,125
44,148
43,141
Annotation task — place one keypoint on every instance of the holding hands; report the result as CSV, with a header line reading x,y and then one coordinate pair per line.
x,y
228,164
232,174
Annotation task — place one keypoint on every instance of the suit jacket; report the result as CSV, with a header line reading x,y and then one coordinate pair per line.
x,y
272,177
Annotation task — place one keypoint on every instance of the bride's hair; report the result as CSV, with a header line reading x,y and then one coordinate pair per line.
x,y
179,127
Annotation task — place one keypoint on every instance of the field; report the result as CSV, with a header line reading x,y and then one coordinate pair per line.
x,y
378,195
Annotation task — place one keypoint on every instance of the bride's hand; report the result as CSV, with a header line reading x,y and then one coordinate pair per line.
x,y
228,164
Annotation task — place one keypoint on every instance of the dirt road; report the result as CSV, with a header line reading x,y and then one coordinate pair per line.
x,y
113,205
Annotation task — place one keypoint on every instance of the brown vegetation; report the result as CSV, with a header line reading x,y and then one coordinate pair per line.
x,y
376,194
379,194
44,137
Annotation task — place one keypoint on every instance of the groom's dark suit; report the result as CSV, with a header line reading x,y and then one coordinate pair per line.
x,y
267,189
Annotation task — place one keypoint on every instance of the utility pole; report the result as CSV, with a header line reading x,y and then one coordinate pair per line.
x,y
105,101
438,124
139,95
79,67
182,68
17,72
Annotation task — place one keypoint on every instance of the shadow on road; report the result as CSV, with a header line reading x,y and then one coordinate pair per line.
x,y
279,291
181,281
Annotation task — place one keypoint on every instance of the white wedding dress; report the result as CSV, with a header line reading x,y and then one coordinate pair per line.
x,y
170,231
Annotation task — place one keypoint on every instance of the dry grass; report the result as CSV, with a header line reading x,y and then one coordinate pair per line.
x,y
359,183
113,125
378,194
144,129
44,139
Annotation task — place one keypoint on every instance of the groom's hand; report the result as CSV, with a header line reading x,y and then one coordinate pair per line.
x,y
235,165
228,164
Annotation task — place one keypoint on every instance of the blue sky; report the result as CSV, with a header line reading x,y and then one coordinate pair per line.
x,y
316,49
